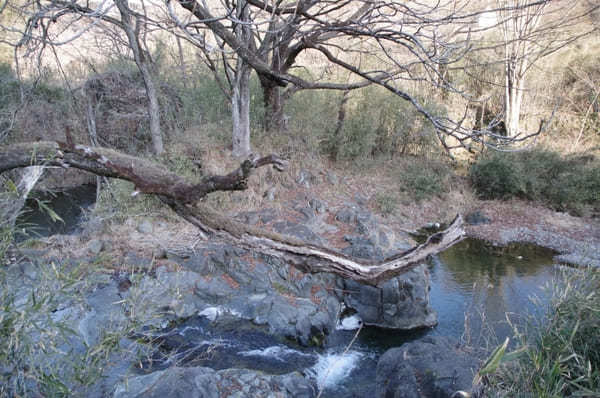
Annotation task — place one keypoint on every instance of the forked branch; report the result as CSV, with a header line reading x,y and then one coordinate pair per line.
x,y
183,197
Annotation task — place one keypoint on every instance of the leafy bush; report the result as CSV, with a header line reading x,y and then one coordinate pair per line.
x,y
425,178
540,175
561,356
495,177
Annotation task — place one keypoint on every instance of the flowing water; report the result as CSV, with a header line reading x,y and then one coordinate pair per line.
x,y
472,281
474,287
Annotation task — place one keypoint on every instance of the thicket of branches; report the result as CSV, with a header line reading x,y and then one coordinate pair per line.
x,y
472,60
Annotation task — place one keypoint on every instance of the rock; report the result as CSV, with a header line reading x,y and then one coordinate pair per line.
x,y
308,213
298,230
361,247
317,205
346,215
306,178
105,309
95,246
332,178
361,199
145,227
476,218
365,223
433,366
400,303
207,383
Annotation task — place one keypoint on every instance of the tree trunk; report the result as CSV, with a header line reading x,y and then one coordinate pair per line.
x,y
143,63
240,108
273,103
153,110
11,206
513,98
184,197
240,93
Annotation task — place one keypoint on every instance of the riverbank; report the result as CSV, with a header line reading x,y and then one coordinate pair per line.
x,y
159,268
575,239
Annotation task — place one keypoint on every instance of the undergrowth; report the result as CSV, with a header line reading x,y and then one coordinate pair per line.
x,y
559,356
423,179
563,183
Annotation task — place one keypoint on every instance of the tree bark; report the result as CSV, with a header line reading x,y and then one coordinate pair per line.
x,y
515,86
240,93
143,63
273,106
240,110
184,197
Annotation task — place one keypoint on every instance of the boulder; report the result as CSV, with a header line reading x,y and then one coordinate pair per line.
x,y
400,303
204,382
476,218
433,367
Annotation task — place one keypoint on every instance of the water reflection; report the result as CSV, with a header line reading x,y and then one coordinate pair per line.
x,y
483,283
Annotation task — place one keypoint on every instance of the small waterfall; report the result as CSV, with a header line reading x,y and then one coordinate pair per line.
x,y
332,368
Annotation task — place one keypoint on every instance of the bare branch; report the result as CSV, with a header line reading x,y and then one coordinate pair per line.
x,y
183,198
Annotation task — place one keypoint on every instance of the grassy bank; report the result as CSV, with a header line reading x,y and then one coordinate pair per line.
x,y
560,356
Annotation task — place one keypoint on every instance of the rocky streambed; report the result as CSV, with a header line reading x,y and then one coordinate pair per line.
x,y
211,320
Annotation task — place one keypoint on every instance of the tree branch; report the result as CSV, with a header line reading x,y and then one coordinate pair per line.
x,y
183,198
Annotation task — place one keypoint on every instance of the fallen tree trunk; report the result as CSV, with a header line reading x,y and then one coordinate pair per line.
x,y
183,198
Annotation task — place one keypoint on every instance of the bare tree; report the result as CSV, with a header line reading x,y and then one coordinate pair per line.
x,y
528,32
40,30
144,63
393,44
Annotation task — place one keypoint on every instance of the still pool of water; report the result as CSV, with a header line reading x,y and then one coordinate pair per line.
x,y
482,284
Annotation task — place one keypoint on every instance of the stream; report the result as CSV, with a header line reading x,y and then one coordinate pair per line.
x,y
473,287
472,280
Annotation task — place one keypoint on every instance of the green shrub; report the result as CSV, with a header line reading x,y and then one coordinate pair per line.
x,y
386,203
539,175
495,177
424,178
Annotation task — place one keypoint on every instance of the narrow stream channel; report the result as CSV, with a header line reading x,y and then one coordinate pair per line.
x,y
471,280
473,288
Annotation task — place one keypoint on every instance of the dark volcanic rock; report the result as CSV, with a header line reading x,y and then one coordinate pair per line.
x,y
346,215
433,367
476,218
400,303
298,230
207,383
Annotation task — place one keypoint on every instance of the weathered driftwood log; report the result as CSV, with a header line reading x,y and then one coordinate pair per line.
x,y
183,197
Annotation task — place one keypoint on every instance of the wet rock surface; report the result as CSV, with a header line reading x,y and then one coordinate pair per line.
x,y
174,303
431,367
208,383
